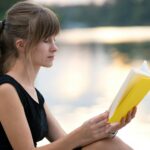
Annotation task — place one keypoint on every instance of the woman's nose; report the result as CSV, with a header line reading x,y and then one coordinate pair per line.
x,y
54,47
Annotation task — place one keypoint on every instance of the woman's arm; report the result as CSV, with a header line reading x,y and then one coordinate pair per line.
x,y
14,122
54,129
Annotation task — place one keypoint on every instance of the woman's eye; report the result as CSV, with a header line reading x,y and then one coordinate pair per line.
x,y
49,40
46,40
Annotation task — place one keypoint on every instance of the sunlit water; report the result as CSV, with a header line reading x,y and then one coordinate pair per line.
x,y
84,81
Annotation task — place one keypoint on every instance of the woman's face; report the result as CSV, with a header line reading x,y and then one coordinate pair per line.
x,y
44,53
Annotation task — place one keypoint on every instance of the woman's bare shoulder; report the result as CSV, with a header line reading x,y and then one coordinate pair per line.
x,y
5,87
7,92
9,98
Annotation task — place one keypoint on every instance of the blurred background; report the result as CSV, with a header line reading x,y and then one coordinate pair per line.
x,y
100,41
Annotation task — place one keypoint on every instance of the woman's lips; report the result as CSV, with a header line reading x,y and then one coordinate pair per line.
x,y
51,57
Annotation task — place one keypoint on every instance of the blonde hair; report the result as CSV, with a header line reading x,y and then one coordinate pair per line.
x,y
28,21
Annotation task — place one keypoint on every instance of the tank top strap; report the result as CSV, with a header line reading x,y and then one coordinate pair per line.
x,y
7,79
20,89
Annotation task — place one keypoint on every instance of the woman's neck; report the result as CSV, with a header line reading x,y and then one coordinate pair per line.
x,y
25,74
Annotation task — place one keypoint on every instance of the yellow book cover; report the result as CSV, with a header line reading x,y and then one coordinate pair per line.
x,y
133,90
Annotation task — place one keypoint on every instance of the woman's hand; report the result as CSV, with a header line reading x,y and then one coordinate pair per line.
x,y
94,129
98,128
114,127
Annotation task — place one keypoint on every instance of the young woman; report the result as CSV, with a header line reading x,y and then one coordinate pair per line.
x,y
27,42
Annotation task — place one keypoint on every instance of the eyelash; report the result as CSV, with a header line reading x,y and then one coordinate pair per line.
x,y
47,40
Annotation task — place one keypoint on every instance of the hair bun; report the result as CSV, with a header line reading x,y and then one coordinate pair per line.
x,y
2,24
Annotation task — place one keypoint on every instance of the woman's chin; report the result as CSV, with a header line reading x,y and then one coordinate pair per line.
x,y
48,65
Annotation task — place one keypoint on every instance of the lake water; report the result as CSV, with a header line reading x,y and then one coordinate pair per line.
x,y
84,81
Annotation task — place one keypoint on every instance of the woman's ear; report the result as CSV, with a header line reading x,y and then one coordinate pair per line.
x,y
20,45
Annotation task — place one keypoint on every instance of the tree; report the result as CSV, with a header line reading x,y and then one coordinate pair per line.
x,y
6,4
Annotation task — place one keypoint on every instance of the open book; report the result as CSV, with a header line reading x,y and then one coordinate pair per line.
x,y
131,93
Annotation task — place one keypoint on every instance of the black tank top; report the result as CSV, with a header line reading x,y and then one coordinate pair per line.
x,y
34,112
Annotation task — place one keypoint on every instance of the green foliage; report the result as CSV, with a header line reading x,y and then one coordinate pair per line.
x,y
120,13
132,50
4,5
